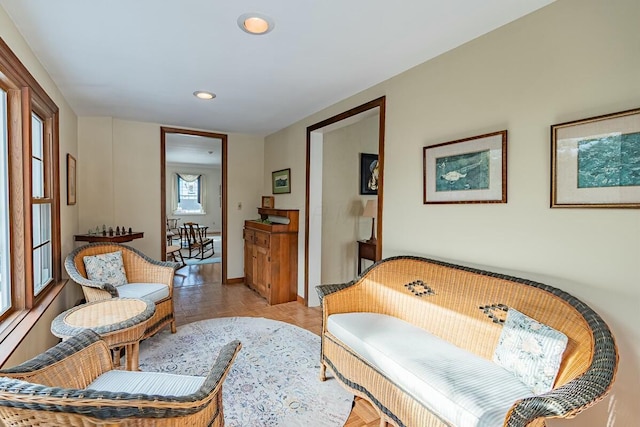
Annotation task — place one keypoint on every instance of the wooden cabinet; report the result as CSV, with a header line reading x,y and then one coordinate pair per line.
x,y
271,254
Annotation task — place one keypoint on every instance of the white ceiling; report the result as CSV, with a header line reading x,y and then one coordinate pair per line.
x,y
192,150
142,59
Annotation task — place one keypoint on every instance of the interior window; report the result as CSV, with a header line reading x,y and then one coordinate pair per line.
x,y
41,207
30,241
190,194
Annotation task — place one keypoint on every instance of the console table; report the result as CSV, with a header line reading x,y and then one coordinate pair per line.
x,y
366,250
120,238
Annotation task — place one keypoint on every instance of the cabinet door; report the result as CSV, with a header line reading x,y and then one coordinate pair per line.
x,y
248,263
262,272
249,267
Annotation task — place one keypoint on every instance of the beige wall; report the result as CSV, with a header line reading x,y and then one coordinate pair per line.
x,y
126,156
570,60
95,173
342,204
40,337
244,178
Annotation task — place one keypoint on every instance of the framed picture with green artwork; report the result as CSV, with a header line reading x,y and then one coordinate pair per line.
x,y
470,170
281,181
595,162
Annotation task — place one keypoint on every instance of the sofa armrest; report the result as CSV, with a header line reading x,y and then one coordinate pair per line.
x,y
220,369
74,275
563,402
324,290
568,400
73,363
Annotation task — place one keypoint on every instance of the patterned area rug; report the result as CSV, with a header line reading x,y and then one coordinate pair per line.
x,y
196,261
274,379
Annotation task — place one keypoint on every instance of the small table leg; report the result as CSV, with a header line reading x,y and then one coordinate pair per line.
x,y
133,356
115,352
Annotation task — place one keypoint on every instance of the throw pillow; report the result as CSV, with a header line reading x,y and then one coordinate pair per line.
x,y
106,268
531,350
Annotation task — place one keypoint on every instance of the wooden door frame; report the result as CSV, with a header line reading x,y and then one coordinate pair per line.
x,y
376,103
164,130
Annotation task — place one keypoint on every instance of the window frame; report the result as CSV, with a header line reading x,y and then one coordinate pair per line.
x,y
24,98
200,197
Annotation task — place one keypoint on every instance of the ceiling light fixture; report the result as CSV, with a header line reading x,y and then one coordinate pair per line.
x,y
255,23
204,94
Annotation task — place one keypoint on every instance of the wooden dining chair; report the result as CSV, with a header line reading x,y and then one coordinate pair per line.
x,y
173,231
198,241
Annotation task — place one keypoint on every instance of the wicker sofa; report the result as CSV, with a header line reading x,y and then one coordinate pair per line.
x,y
467,308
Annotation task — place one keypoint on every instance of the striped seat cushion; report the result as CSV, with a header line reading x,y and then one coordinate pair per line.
x,y
152,383
462,388
152,291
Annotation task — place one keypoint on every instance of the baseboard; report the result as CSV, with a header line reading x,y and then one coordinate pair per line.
x,y
301,300
234,280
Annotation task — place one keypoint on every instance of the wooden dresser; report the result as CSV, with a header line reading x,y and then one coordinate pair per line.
x,y
271,254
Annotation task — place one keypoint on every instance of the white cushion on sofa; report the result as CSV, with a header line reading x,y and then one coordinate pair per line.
x,y
153,291
461,387
147,383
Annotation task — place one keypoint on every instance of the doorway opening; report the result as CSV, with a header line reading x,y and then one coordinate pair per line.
x,y
197,161
336,148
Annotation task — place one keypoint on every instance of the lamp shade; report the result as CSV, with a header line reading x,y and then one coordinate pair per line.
x,y
371,209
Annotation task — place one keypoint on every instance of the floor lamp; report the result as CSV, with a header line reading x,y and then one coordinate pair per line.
x,y
371,211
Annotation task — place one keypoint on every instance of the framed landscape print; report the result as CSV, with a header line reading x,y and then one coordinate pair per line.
x,y
368,173
470,170
595,162
281,181
71,180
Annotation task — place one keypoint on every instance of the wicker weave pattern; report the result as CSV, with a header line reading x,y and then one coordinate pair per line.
x,y
453,313
139,269
47,391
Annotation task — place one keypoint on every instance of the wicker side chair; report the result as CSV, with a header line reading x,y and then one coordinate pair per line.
x,y
139,269
51,390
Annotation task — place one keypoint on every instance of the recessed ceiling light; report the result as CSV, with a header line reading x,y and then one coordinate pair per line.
x,y
204,95
255,23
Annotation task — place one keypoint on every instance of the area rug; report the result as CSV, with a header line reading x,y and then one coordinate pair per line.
x,y
197,261
274,379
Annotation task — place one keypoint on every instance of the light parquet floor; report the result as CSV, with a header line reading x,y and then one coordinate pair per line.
x,y
199,295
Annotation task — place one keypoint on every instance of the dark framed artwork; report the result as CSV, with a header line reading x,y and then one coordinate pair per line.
x,y
368,173
71,180
281,181
470,170
595,162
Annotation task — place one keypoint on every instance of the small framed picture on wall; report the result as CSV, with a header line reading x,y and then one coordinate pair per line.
x,y
267,202
368,173
281,181
71,180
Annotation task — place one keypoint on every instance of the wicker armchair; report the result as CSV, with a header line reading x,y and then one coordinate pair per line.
x,y
139,269
51,390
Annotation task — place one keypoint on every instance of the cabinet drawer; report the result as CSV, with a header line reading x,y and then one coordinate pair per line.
x,y
248,235
261,239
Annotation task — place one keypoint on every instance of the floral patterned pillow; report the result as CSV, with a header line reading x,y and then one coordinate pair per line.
x,y
106,268
531,350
